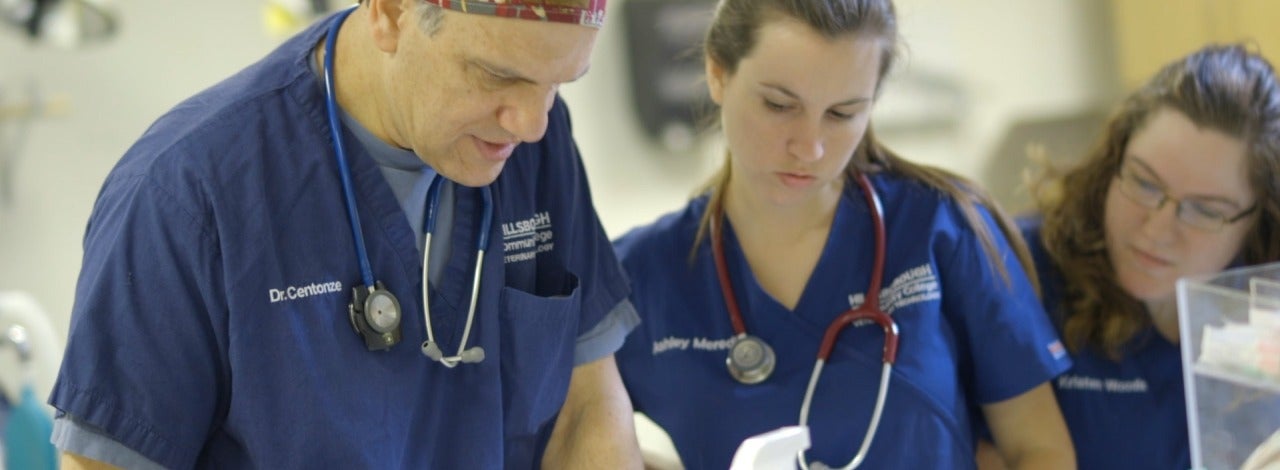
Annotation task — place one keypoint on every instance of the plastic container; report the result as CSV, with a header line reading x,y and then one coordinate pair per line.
x,y
1230,331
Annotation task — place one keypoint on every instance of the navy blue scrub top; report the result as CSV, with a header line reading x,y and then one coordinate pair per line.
x,y
210,323
967,337
1131,413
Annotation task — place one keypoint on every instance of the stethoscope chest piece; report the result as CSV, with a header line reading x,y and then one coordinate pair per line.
x,y
374,311
375,315
750,360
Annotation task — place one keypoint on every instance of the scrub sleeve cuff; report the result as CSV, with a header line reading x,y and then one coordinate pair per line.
x,y
608,335
76,437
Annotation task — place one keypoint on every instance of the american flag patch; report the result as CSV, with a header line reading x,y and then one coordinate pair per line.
x,y
1056,349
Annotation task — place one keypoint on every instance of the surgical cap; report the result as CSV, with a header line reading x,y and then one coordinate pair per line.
x,y
591,15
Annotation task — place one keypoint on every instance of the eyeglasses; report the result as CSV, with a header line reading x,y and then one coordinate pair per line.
x,y
1143,188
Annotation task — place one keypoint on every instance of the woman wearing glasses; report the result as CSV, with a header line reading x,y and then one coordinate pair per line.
x,y
1186,180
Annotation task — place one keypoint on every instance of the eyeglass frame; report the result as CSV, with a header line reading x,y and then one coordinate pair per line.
x,y
1128,177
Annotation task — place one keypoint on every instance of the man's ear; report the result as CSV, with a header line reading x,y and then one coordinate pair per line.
x,y
716,77
384,22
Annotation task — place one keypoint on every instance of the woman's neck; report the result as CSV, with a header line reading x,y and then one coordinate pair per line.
x,y
1164,316
755,216
782,244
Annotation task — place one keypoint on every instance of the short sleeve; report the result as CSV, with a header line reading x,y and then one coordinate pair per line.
x,y
143,362
70,435
590,254
608,335
1000,321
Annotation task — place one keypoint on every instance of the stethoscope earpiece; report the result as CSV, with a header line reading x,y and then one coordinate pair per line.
x,y
751,360
470,355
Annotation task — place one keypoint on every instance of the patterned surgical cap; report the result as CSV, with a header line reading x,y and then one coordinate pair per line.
x,y
591,15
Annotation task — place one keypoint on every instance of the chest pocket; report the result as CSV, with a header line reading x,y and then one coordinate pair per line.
x,y
538,337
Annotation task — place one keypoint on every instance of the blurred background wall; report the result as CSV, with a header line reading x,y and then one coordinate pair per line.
x,y
981,79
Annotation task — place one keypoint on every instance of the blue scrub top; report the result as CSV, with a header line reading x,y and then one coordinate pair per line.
x,y
967,338
1131,413
210,325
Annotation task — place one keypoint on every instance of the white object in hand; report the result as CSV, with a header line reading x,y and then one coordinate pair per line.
x,y
1266,456
775,449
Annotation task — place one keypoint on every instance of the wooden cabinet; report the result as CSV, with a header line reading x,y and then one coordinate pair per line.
x,y
1150,33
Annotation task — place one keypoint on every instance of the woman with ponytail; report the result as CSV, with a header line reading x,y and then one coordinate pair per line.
x,y
785,236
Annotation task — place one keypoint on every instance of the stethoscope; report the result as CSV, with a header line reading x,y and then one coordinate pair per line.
x,y
751,360
374,311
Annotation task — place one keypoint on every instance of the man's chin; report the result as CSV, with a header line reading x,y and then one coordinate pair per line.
x,y
478,177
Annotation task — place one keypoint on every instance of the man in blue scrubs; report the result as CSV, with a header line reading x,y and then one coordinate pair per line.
x,y
211,325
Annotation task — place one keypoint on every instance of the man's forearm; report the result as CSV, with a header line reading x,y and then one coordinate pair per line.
x,y
596,428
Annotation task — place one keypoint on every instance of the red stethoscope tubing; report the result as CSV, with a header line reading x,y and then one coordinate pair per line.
x,y
722,272
869,310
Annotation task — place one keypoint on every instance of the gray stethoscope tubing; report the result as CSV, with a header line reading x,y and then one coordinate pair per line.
x,y
430,347
382,300
885,372
870,311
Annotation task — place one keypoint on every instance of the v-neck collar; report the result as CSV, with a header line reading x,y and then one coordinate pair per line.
x,y
842,255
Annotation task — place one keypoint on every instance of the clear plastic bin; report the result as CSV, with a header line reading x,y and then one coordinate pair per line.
x,y
1230,324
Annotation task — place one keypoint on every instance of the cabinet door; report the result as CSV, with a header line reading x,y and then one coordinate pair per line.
x,y
1257,21
1150,33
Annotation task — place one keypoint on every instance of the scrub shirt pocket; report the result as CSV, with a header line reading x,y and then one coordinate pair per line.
x,y
538,338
